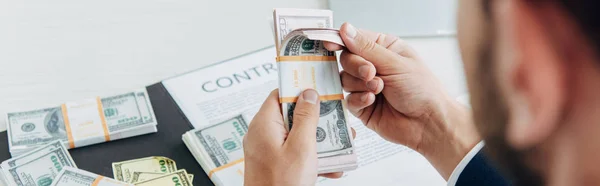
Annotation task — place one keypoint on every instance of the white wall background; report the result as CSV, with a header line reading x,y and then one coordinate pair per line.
x,y
66,50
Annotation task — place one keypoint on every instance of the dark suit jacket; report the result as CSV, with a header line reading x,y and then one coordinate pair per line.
x,y
479,172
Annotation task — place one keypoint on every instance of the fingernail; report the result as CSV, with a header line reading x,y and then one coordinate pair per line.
x,y
310,96
350,31
372,85
364,70
364,98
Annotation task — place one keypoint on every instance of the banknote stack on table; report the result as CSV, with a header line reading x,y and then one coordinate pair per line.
x,y
37,167
50,164
70,176
304,63
218,149
82,123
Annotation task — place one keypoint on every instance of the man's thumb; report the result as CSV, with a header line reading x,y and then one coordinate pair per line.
x,y
305,120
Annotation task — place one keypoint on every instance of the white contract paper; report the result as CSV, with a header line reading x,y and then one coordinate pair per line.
x,y
240,85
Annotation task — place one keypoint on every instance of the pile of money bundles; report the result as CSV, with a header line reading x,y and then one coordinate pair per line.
x,y
37,167
82,123
50,165
151,171
304,63
218,149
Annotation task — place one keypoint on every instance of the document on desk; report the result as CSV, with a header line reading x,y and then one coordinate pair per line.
x,y
240,85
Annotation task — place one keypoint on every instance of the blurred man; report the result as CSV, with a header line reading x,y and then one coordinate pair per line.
x,y
532,67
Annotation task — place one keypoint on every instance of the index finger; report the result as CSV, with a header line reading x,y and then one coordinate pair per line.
x,y
332,46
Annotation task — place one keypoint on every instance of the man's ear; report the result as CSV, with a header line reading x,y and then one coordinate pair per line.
x,y
533,77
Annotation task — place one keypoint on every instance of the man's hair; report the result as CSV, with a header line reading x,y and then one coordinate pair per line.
x,y
587,15
489,105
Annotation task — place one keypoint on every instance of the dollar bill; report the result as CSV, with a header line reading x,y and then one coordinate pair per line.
x,y
40,171
76,177
123,171
222,142
143,176
34,154
179,178
29,129
332,132
286,20
36,127
128,110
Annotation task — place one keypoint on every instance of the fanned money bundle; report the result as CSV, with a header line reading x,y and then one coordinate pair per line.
x,y
82,123
38,167
155,170
70,176
218,149
304,63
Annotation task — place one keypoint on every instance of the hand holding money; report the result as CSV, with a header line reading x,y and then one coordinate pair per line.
x,y
304,63
413,108
276,157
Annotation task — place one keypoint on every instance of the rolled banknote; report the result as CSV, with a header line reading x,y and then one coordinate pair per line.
x,y
70,176
83,122
218,150
38,167
304,63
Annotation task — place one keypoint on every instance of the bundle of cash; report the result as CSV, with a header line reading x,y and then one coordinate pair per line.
x,y
218,149
82,123
70,176
153,170
304,63
38,167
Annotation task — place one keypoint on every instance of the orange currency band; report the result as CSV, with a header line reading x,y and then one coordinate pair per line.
x,y
322,98
306,58
97,180
67,126
224,167
103,119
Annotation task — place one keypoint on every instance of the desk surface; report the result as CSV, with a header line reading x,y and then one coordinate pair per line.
x,y
66,50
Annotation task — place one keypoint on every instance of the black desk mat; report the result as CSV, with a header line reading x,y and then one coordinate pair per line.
x,y
166,142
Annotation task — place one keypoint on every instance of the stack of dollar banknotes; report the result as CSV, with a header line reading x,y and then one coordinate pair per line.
x,y
218,150
303,63
82,123
52,165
